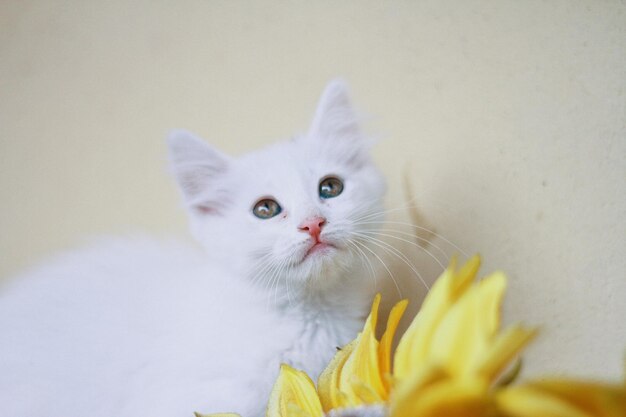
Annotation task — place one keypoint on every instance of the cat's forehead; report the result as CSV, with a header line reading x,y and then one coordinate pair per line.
x,y
283,162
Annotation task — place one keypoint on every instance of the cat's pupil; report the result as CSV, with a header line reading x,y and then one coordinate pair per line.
x,y
330,187
266,209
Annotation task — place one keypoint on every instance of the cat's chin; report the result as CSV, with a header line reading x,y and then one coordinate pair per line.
x,y
322,264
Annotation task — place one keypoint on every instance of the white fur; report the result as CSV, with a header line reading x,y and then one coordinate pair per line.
x,y
144,328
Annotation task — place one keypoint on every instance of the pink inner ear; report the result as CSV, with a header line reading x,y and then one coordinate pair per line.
x,y
205,209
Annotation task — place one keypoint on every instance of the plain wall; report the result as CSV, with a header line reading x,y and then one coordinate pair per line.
x,y
508,116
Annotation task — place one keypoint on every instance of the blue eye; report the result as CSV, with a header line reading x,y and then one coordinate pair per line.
x,y
330,187
266,209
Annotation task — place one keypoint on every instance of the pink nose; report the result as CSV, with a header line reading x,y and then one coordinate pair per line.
x,y
313,226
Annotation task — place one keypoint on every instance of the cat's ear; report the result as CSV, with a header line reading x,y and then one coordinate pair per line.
x,y
198,169
335,118
335,132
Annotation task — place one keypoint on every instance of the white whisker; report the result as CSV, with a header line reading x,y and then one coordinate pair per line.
x,y
390,249
365,260
278,277
411,243
421,239
421,228
383,264
264,265
383,212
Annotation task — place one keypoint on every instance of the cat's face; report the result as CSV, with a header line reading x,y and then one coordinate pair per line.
x,y
291,213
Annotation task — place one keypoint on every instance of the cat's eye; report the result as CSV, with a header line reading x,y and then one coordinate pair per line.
x,y
330,187
266,209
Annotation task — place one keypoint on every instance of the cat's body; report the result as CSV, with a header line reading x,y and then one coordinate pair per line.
x,y
137,327
165,335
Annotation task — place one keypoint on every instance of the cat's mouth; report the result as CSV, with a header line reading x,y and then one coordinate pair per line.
x,y
319,248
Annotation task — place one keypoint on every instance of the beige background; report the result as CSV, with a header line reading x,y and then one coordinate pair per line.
x,y
509,116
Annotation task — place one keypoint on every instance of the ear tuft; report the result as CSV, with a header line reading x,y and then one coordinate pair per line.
x,y
197,168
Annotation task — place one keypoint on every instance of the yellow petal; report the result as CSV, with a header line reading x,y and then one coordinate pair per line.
x,y
524,401
449,397
406,392
464,277
415,345
293,391
601,400
465,333
362,363
293,410
492,290
328,382
386,342
503,350
364,392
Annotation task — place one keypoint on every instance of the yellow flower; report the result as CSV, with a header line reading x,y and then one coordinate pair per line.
x,y
451,350
457,326
451,354
449,360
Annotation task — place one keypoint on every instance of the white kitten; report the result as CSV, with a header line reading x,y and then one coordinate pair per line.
x,y
141,328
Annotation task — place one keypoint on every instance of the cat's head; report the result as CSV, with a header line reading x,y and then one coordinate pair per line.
x,y
292,213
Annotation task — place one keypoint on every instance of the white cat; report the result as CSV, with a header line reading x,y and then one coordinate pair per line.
x,y
142,328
